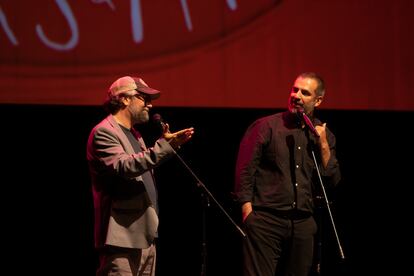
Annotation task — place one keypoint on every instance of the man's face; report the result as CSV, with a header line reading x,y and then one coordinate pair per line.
x,y
303,96
139,108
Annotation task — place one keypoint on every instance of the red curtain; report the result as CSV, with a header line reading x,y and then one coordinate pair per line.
x,y
213,53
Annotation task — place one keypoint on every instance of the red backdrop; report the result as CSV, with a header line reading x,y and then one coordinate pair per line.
x,y
208,53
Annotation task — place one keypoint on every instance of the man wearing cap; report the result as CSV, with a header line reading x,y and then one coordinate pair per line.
x,y
121,171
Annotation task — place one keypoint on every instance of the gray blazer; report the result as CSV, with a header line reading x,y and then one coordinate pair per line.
x,y
124,213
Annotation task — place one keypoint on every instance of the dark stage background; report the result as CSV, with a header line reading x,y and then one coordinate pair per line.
x,y
47,202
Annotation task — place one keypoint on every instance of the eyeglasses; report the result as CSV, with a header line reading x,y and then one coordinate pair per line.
x,y
146,99
303,91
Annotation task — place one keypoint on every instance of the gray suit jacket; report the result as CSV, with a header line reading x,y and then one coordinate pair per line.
x,y
124,213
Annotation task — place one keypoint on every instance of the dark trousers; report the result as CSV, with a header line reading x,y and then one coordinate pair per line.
x,y
278,245
120,261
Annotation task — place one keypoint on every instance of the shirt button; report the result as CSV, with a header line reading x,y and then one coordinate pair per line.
x,y
297,166
296,184
299,148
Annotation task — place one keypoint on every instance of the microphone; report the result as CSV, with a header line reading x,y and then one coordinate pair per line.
x,y
308,123
159,122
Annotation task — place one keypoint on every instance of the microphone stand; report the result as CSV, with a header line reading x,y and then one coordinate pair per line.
x,y
310,126
206,196
320,235
341,252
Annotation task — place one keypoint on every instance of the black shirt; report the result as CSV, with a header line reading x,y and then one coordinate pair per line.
x,y
147,176
275,167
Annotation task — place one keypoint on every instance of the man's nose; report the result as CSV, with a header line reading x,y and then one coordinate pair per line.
x,y
298,95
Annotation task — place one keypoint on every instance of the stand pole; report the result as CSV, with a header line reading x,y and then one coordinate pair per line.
x,y
205,204
206,196
320,222
341,252
312,129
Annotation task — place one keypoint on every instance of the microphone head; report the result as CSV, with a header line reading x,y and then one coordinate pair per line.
x,y
300,110
157,118
158,122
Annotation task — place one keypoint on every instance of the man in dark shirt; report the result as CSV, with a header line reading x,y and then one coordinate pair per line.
x,y
275,181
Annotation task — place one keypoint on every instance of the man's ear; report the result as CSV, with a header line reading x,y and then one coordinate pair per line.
x,y
126,100
318,101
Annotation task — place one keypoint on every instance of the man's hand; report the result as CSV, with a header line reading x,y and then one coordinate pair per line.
x,y
178,138
246,210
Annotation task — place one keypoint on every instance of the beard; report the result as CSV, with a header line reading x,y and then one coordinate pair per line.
x,y
139,115
293,109
296,108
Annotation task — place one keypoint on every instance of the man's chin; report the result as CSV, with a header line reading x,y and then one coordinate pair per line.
x,y
143,118
293,110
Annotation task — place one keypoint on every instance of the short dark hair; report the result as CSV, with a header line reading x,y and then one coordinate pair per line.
x,y
320,90
114,103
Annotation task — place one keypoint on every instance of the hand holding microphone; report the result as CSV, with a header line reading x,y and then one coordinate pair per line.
x,y
175,139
